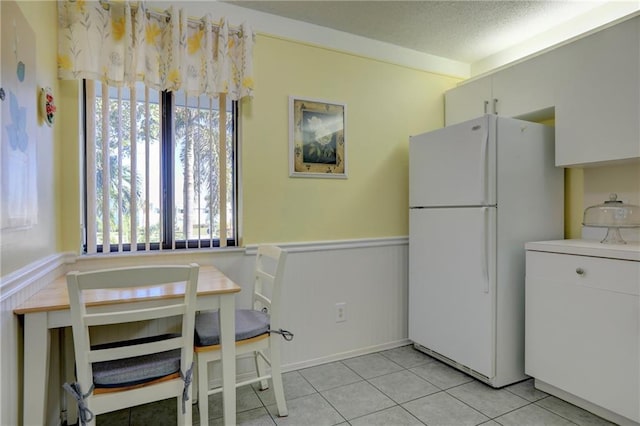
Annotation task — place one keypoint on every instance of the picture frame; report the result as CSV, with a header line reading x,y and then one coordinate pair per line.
x,y
317,138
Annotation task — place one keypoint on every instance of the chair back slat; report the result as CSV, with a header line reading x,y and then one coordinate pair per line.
x,y
265,276
99,355
256,333
134,315
269,274
261,301
84,317
135,276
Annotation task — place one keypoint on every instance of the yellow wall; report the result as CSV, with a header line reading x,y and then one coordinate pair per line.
x,y
385,105
68,157
20,247
622,179
573,202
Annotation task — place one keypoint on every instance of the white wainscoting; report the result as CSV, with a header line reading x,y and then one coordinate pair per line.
x,y
368,275
15,288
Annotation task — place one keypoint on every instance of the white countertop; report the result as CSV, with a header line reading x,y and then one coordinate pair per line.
x,y
629,251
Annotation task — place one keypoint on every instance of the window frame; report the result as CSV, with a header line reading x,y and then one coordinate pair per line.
x,y
167,177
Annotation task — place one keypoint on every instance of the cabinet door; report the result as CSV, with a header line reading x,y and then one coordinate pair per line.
x,y
582,328
526,89
467,101
598,100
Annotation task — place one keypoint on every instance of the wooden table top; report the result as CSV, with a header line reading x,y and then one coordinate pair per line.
x,y
54,297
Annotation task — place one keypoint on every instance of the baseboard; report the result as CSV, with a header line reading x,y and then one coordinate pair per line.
x,y
250,372
344,355
583,403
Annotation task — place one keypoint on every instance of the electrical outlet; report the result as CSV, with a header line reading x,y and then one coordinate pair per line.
x,y
341,312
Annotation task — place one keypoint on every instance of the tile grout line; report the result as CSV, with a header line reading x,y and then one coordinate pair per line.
x,y
560,415
397,404
330,404
320,393
530,399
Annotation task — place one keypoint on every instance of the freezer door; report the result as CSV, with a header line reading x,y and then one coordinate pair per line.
x,y
452,284
454,166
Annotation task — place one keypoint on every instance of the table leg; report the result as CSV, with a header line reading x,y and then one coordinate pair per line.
x,y
228,357
37,345
68,372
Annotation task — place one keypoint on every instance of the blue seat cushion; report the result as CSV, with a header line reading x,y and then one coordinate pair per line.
x,y
249,323
135,370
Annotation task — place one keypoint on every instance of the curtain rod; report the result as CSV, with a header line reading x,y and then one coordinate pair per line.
x,y
106,5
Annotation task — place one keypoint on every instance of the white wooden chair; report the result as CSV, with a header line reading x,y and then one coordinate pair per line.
x,y
125,374
257,329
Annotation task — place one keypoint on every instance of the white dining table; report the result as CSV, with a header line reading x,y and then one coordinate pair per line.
x,y
49,309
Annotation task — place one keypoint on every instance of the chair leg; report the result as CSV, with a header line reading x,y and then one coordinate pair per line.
x,y
93,421
276,376
187,417
181,417
195,381
203,390
261,369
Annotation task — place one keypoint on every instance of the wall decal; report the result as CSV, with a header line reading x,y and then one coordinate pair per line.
x,y
47,106
18,119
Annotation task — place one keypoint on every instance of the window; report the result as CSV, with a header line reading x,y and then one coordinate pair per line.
x,y
160,170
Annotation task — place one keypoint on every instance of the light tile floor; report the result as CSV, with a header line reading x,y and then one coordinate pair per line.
x,y
395,387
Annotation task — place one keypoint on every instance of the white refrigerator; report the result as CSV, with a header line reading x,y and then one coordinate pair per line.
x,y
478,191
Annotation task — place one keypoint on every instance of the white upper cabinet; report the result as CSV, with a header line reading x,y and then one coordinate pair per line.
x,y
598,100
592,85
527,89
524,89
468,101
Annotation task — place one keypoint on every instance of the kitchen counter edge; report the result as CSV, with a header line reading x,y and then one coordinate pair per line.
x,y
629,251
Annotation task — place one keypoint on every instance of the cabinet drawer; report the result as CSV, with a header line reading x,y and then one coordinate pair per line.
x,y
620,276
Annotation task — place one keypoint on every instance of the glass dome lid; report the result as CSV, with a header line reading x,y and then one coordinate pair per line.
x,y
612,214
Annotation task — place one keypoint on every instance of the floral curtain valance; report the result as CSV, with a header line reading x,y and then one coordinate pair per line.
x,y
123,42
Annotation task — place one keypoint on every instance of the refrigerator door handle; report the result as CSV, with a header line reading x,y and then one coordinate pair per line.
x,y
483,166
485,249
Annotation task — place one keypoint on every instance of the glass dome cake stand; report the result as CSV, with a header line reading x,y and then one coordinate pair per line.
x,y
613,214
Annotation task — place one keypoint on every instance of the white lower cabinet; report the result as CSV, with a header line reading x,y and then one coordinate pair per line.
x,y
582,325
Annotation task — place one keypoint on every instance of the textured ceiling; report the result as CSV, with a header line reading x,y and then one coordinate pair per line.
x,y
465,31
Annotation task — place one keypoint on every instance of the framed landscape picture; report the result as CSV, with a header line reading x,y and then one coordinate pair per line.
x,y
317,138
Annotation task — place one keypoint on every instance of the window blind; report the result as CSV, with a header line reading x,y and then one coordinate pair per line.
x,y
157,176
